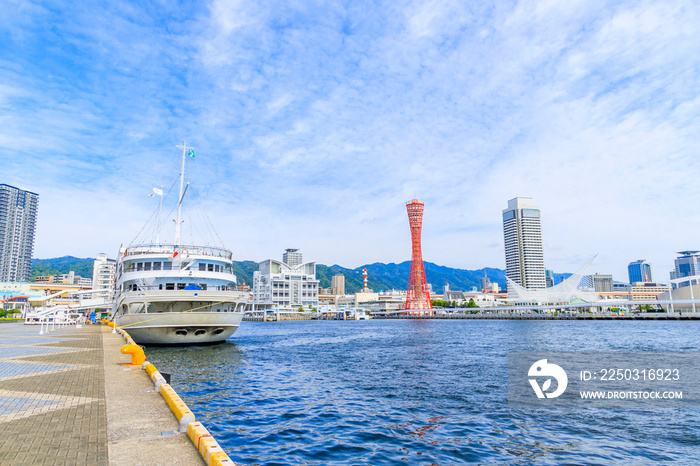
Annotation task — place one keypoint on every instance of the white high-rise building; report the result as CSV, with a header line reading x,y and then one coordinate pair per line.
x,y
18,210
292,257
286,285
103,270
522,234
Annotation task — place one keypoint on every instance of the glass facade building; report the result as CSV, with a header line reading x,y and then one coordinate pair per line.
x,y
639,271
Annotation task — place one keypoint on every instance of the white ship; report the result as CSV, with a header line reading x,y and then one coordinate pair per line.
x,y
174,294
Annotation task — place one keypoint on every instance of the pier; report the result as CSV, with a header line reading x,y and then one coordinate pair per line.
x,y
70,397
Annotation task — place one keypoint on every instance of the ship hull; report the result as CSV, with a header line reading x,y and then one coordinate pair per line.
x,y
192,328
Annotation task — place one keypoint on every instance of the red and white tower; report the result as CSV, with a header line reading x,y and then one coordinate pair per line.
x,y
418,296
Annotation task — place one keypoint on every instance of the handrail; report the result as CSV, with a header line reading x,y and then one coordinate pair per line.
x,y
138,249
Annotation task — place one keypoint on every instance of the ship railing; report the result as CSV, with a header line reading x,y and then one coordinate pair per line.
x,y
184,249
143,288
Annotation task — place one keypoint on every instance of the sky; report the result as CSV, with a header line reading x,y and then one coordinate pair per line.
x,y
314,122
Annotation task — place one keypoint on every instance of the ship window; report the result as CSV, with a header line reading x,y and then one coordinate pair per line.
x,y
146,266
203,286
180,286
139,266
202,267
169,286
160,287
130,267
156,265
167,265
210,267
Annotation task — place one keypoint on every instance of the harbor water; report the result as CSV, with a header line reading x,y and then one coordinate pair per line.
x,y
418,392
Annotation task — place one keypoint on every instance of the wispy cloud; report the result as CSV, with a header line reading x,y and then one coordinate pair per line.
x,y
315,121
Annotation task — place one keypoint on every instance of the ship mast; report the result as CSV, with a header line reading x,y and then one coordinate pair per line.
x,y
178,222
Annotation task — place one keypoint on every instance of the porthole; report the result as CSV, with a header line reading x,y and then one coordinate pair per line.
x,y
200,332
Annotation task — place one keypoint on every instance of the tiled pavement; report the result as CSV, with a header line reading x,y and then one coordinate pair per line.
x,y
67,398
52,402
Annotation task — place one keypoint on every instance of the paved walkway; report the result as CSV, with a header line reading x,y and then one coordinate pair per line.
x,y
66,399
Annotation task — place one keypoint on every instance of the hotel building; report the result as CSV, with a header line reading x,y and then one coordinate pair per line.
x,y
282,284
522,234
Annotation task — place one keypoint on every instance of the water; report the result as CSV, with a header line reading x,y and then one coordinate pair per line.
x,y
418,392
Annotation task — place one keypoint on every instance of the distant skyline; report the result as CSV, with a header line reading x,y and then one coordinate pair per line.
x,y
314,123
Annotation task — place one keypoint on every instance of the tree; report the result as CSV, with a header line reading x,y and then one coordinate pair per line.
x,y
472,303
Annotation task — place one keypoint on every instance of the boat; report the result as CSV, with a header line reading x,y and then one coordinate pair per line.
x,y
176,294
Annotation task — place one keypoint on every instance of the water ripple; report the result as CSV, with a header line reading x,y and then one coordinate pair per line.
x,y
417,392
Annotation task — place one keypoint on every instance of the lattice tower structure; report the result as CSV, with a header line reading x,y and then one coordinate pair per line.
x,y
418,296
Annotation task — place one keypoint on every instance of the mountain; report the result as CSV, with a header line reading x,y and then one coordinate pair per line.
x,y
62,265
380,276
395,276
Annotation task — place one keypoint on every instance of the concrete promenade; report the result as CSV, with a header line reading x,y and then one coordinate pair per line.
x,y
68,397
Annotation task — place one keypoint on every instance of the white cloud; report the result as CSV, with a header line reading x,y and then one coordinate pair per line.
x,y
314,123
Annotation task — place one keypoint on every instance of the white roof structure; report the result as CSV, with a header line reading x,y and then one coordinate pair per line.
x,y
576,287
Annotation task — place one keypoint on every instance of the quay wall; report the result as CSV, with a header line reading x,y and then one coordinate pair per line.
x,y
205,444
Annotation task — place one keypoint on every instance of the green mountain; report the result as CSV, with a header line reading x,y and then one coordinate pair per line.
x,y
395,276
61,265
379,276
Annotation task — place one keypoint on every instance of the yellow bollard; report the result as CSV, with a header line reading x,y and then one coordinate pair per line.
x,y
136,352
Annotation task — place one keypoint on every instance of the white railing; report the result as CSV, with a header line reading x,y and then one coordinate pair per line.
x,y
48,318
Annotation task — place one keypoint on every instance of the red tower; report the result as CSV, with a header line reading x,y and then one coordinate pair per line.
x,y
418,296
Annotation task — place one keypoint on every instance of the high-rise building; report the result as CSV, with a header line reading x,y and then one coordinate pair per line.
x,y
639,271
338,284
602,283
292,257
18,210
103,270
522,234
687,265
485,283
549,278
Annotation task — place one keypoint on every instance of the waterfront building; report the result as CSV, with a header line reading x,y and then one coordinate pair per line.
x,y
686,265
69,278
601,283
338,284
292,257
18,209
103,272
280,284
639,271
357,299
449,295
522,234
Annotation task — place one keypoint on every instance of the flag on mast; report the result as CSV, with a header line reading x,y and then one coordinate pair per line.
x,y
157,191
191,153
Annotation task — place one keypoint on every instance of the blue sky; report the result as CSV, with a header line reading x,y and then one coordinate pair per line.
x,y
314,122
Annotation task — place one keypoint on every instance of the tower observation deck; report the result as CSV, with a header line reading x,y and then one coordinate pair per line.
x,y
418,296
